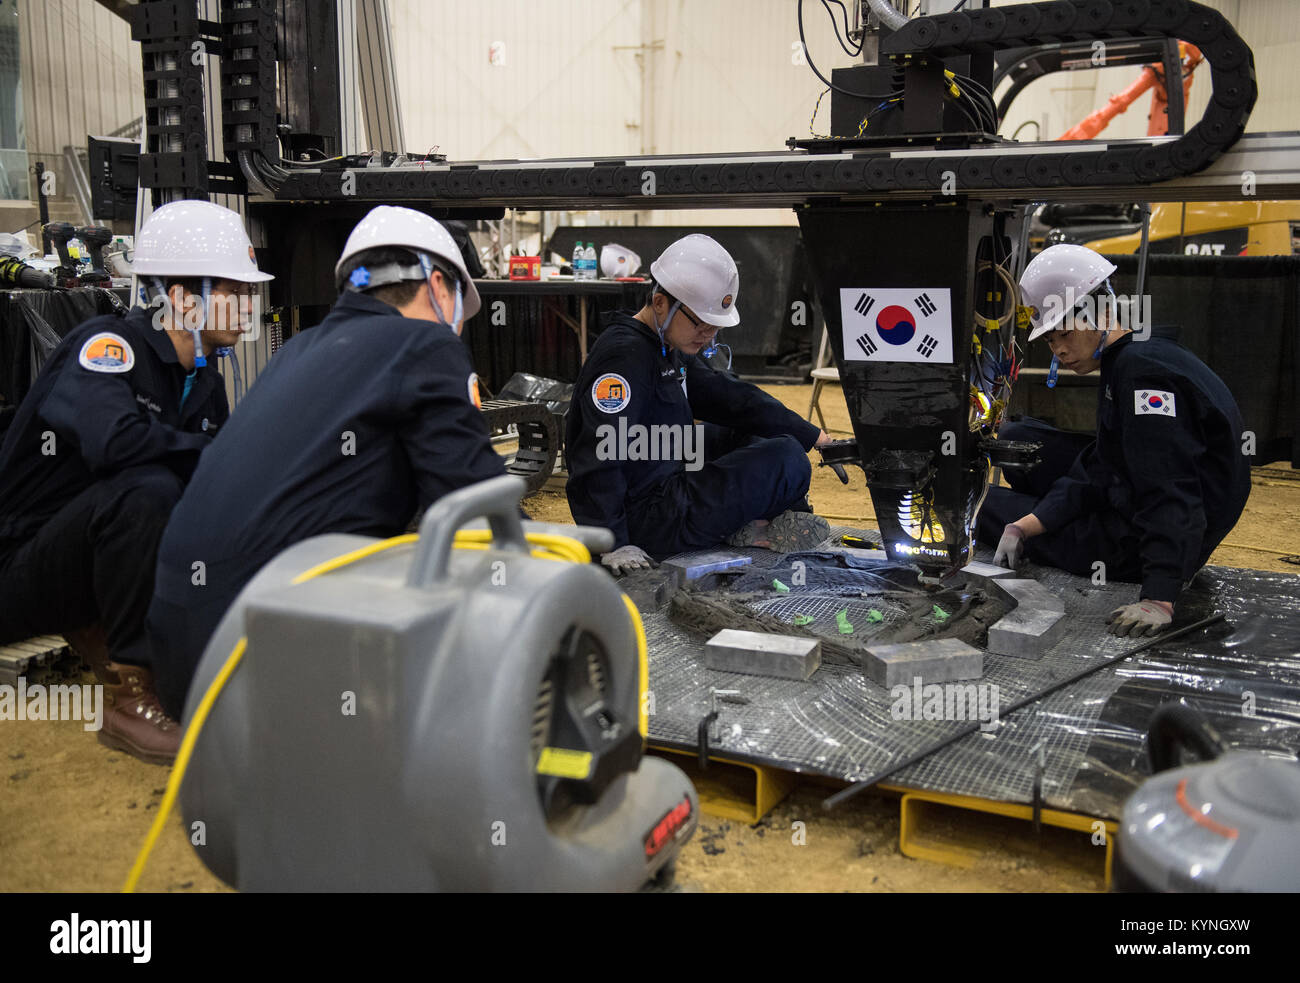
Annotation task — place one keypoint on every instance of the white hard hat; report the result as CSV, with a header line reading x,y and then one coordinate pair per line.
x,y
617,261
1058,278
702,275
390,225
196,239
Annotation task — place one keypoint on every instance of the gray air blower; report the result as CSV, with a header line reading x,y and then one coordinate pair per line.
x,y
429,718
1230,824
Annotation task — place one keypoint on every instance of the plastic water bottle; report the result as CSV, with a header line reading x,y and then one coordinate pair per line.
x,y
578,262
589,260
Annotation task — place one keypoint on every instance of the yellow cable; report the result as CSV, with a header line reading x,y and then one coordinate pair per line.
x,y
643,670
182,760
554,547
352,557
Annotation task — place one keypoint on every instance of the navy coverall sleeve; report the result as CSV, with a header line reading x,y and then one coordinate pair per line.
x,y
718,398
99,412
599,497
1078,492
444,433
1160,455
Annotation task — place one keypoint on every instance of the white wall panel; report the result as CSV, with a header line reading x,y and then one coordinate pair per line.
x,y
570,83
81,72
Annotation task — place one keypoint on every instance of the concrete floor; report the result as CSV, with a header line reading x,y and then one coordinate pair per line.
x,y
73,814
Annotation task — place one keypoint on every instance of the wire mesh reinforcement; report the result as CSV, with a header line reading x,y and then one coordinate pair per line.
x,y
842,725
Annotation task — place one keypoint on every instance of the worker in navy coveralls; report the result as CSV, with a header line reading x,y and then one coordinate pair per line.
x,y
100,450
639,465
355,426
1164,481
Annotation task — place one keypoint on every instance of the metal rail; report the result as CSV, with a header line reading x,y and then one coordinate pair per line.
x,y
925,166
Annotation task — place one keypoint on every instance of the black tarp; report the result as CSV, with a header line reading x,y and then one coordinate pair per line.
x,y
29,321
525,334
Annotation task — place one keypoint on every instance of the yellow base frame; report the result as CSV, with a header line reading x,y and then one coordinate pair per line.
x,y
914,842
738,790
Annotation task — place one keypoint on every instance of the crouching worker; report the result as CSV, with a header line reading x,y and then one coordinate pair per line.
x,y
100,450
1164,481
641,466
355,426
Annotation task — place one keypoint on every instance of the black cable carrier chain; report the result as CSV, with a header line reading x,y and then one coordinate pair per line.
x,y
539,438
615,183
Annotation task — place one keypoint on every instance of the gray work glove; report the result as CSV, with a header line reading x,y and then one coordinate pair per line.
x,y
1143,618
1011,547
625,559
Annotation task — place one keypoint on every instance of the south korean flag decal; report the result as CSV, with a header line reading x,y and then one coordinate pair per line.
x,y
1153,402
897,324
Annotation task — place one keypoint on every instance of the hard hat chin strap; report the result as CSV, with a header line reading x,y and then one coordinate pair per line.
x,y
1109,327
229,353
661,328
199,360
458,312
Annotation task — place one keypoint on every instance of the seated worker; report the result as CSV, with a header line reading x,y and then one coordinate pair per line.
x,y
354,426
99,453
638,464
1164,481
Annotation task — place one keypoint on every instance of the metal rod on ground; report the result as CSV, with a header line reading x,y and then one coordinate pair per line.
x,y
845,794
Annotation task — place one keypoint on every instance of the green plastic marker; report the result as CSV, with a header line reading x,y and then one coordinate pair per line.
x,y
842,620
782,588
803,619
940,613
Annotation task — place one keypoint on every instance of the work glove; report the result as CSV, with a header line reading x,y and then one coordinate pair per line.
x,y
1143,618
625,559
1011,547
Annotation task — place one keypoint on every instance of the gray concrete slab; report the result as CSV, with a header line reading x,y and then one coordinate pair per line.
x,y
935,660
762,654
983,574
1034,626
695,566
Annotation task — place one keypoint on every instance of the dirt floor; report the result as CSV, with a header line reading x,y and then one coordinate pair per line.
x,y
73,814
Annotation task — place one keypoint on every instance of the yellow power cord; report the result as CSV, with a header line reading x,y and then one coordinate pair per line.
x,y
550,546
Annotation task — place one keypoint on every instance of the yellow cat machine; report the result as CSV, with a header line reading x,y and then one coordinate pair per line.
x,y
1212,228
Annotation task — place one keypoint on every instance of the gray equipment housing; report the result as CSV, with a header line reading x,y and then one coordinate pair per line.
x,y
1236,828
383,730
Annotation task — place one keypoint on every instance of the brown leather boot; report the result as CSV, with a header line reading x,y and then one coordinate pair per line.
x,y
134,721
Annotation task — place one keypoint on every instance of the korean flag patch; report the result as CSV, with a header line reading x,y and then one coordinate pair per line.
x,y
107,352
1153,402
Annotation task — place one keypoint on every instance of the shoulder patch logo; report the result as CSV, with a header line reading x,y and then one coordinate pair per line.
x,y
107,352
472,386
1153,402
611,393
